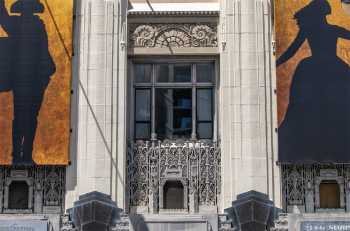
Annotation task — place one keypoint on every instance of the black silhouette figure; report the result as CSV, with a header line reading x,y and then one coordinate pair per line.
x,y
316,127
31,66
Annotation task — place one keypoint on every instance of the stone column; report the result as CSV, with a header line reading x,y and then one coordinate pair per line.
x,y
248,114
98,102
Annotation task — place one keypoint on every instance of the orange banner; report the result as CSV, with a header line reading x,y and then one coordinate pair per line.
x,y
287,29
313,80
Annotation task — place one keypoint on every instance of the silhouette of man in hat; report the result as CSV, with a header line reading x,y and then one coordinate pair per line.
x,y
31,68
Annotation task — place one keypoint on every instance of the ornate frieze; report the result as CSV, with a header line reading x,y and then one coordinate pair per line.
x,y
173,35
195,164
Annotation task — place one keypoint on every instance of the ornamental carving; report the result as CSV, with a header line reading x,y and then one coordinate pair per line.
x,y
195,164
173,35
46,188
300,185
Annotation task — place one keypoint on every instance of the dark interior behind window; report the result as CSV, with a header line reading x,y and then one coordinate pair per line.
x,y
18,195
173,113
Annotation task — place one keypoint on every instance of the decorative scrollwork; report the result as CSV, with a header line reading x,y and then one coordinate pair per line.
x,y
143,35
47,183
203,35
300,182
195,164
53,186
173,35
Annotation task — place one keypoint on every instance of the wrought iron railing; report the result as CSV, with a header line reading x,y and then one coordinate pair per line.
x,y
196,164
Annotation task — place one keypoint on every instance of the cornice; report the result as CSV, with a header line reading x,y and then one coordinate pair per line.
x,y
175,13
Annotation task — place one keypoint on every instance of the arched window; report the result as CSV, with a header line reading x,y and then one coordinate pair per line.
x,y
18,195
173,195
329,194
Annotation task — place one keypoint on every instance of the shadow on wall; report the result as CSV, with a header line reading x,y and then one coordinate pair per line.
x,y
28,71
316,127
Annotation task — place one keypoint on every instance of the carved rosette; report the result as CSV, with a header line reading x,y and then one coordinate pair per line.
x,y
173,35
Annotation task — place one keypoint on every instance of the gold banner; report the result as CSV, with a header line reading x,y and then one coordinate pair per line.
x,y
313,80
35,81
286,31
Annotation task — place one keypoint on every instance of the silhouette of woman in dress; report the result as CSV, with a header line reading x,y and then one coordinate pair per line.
x,y
316,127
31,68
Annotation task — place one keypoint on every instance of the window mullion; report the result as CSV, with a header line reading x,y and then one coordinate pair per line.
x,y
153,114
194,104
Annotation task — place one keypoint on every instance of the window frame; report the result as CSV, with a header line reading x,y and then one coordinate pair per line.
x,y
194,85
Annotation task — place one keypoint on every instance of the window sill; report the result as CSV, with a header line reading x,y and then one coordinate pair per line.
x,y
175,141
173,211
338,210
18,211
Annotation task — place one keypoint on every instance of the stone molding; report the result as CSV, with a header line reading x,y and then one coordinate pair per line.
x,y
174,13
176,35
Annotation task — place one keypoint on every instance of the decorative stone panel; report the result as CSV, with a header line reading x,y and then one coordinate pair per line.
x,y
152,164
300,185
173,35
46,186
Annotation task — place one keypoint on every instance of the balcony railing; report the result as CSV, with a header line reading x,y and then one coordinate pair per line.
x,y
195,164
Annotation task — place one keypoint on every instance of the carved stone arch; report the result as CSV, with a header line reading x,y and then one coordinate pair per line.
x,y
177,35
173,37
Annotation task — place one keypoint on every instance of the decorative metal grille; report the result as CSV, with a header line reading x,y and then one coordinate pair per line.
x,y
48,185
298,180
53,186
195,164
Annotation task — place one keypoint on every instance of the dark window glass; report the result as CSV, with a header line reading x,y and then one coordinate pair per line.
x,y
205,130
162,72
182,73
173,195
204,104
142,113
143,73
173,113
204,113
142,130
143,104
173,85
329,195
205,72
18,195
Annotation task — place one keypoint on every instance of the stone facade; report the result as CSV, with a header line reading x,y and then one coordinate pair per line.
x,y
128,177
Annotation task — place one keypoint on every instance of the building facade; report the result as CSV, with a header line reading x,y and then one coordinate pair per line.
x,y
174,126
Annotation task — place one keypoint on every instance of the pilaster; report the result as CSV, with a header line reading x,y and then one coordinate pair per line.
x,y
97,143
247,100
